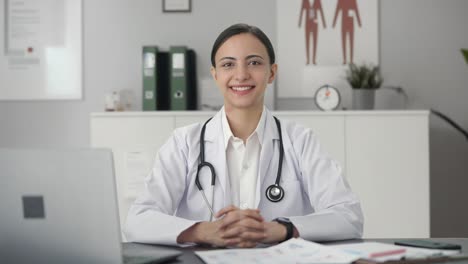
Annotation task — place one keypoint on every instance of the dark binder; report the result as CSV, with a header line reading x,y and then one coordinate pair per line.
x,y
155,79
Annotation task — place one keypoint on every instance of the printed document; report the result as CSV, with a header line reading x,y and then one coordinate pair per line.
x,y
295,250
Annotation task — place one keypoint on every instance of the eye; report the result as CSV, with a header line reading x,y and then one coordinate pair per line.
x,y
227,65
255,62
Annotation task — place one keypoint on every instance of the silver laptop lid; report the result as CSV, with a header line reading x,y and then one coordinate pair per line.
x,y
58,206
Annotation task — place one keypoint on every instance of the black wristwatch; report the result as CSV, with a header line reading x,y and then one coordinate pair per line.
x,y
288,224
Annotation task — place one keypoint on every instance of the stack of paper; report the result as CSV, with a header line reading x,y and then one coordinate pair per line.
x,y
292,251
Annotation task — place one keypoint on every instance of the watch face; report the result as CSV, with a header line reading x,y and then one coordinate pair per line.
x,y
327,98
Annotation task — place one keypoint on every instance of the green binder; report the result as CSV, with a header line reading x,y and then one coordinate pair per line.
x,y
178,81
183,82
150,78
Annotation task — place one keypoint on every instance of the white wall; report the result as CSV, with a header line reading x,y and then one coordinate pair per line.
x,y
114,31
420,42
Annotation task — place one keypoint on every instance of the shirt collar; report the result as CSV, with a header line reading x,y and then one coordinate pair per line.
x,y
226,128
259,131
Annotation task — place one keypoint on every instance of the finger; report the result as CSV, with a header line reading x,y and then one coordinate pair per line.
x,y
253,236
248,224
225,210
232,232
252,213
232,242
239,231
245,235
252,224
229,219
239,215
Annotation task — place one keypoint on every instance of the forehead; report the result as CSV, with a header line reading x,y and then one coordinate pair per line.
x,y
241,45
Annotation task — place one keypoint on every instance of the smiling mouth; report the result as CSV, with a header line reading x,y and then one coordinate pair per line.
x,y
241,88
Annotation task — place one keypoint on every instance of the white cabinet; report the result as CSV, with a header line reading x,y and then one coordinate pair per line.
x,y
385,156
388,167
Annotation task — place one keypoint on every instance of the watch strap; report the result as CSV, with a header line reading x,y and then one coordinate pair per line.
x,y
289,227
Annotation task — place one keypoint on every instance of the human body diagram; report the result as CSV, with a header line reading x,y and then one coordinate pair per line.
x,y
349,11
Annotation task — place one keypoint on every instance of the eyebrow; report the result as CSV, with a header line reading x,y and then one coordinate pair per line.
x,y
248,57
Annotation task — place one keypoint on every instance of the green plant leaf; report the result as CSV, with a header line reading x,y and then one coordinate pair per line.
x,y
364,76
465,54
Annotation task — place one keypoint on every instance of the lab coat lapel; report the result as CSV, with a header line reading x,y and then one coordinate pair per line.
x,y
266,155
215,153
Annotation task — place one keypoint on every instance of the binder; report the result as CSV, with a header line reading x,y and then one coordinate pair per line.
x,y
155,79
149,78
183,88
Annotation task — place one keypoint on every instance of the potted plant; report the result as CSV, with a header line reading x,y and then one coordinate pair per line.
x,y
364,79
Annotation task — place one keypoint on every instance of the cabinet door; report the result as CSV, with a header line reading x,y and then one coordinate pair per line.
x,y
134,141
329,130
388,168
110,131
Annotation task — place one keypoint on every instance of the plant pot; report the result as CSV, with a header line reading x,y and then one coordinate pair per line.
x,y
363,99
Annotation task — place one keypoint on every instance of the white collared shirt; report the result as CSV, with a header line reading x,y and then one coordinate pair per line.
x,y
242,162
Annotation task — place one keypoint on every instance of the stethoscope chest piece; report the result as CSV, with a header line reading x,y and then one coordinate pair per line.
x,y
274,193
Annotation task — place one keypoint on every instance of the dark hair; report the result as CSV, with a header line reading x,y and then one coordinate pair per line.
x,y
239,29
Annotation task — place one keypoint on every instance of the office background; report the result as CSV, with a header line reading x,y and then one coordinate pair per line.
x,y
420,43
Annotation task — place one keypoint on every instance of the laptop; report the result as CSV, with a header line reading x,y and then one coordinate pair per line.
x,y
60,206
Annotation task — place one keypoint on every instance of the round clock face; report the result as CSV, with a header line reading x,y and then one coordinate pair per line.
x,y
327,98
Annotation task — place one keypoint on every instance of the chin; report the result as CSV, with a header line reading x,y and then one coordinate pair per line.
x,y
243,105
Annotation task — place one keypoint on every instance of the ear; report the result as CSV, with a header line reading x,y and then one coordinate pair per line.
x,y
273,71
213,73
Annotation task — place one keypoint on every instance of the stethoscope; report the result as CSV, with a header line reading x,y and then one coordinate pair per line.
x,y
274,193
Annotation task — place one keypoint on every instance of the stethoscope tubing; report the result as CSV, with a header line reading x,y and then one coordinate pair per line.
x,y
281,154
274,192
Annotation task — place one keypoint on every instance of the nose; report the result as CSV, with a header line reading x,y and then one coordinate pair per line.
x,y
242,73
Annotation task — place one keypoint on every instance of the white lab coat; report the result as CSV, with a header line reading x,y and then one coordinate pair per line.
x,y
317,199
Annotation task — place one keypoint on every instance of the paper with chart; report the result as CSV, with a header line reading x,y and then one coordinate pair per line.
x,y
295,250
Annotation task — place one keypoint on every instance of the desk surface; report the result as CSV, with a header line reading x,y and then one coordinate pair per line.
x,y
190,257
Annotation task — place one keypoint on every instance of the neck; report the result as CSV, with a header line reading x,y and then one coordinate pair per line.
x,y
243,122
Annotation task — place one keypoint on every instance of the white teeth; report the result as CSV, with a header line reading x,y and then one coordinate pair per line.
x,y
241,88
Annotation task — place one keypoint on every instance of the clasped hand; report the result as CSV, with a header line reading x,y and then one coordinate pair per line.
x,y
234,227
243,228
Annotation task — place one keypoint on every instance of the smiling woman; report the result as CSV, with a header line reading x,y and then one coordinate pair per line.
x,y
268,180
242,73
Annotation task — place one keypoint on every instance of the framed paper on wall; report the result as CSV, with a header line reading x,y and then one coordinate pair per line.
x,y
177,6
317,39
41,50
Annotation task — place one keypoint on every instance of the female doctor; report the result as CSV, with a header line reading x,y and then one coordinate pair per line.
x,y
243,177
